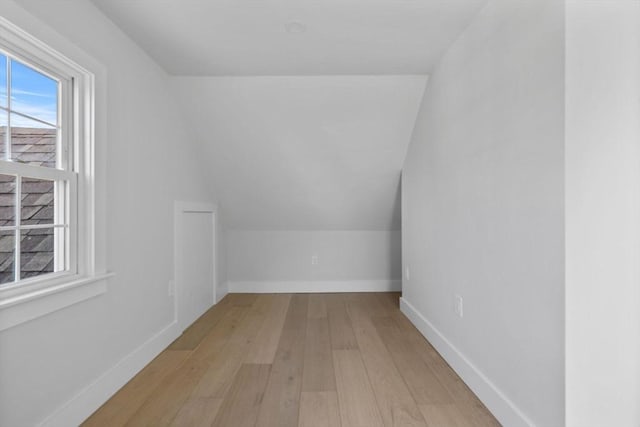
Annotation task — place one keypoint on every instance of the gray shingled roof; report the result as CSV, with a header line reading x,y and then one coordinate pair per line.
x,y
34,146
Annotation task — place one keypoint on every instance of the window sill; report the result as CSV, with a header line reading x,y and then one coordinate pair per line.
x,y
24,307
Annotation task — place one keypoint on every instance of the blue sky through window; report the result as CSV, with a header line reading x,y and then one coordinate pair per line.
x,y
3,81
32,94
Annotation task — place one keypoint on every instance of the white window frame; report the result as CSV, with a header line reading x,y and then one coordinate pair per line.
x,y
80,280
66,198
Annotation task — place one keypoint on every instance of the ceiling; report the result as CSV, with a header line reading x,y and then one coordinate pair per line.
x,y
250,37
303,110
304,153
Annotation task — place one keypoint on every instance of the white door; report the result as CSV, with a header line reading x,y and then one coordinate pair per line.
x,y
195,261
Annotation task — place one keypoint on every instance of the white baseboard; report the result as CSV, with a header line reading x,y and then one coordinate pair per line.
x,y
500,406
80,407
278,287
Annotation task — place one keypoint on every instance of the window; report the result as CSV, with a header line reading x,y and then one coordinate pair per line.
x,y
37,186
47,179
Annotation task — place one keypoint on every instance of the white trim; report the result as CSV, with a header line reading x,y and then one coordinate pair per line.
x,y
39,172
81,406
83,267
181,208
314,286
495,400
25,307
23,44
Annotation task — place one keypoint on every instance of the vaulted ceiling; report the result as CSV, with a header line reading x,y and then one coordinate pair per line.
x,y
303,110
320,152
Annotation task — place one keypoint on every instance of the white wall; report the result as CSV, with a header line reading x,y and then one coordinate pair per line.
x,y
304,152
150,162
306,164
483,210
603,213
222,255
263,257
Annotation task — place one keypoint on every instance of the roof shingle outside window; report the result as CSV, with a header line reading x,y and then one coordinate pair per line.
x,y
35,146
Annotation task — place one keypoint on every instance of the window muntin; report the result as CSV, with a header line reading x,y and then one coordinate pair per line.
x,y
37,182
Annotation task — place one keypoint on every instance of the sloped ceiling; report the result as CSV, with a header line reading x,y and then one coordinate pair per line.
x,y
320,152
249,37
303,129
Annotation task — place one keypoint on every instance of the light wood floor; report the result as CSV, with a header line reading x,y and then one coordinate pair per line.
x,y
312,360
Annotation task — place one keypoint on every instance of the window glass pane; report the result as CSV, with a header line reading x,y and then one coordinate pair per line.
x,y
33,93
32,142
37,205
3,135
3,81
36,252
7,200
7,256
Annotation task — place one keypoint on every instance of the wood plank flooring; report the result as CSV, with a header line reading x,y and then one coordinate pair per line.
x,y
297,360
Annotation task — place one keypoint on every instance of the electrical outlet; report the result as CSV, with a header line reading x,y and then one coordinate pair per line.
x,y
407,274
458,305
171,288
314,259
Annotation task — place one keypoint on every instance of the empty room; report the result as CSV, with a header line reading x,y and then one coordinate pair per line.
x,y
339,213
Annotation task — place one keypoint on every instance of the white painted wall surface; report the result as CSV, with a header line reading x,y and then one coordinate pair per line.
x,y
603,213
483,207
268,256
222,255
307,155
194,262
303,152
151,162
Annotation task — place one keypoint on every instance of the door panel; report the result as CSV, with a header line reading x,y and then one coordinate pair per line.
x,y
196,281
